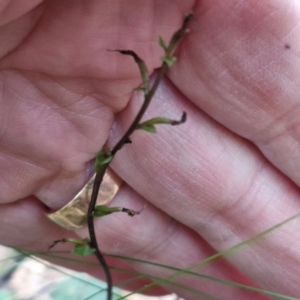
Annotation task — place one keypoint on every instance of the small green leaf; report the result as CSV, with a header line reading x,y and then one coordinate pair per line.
x,y
81,247
142,67
158,120
147,127
140,89
169,60
103,210
83,250
162,43
103,157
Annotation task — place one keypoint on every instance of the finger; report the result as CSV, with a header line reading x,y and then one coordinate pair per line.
x,y
24,225
216,183
62,88
155,237
85,33
242,68
45,148
12,10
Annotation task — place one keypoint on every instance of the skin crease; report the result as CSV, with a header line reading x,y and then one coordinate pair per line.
x,y
228,174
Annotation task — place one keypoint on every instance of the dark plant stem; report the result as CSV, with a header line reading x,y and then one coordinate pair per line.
x,y
92,233
126,137
101,172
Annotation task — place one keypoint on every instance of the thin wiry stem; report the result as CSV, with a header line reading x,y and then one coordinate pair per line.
x,y
100,173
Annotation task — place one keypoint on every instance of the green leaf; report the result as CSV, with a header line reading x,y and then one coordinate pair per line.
x,y
81,247
158,120
147,127
169,60
103,210
103,157
162,43
140,89
142,67
83,250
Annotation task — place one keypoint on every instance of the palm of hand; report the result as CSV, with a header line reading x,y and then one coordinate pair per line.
x,y
61,89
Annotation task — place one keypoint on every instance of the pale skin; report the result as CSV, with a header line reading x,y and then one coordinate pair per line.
x,y
229,173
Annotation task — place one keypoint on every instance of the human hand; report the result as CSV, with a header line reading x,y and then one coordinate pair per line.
x,y
225,176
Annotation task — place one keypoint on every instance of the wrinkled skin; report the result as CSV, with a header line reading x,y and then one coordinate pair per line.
x,y
231,172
